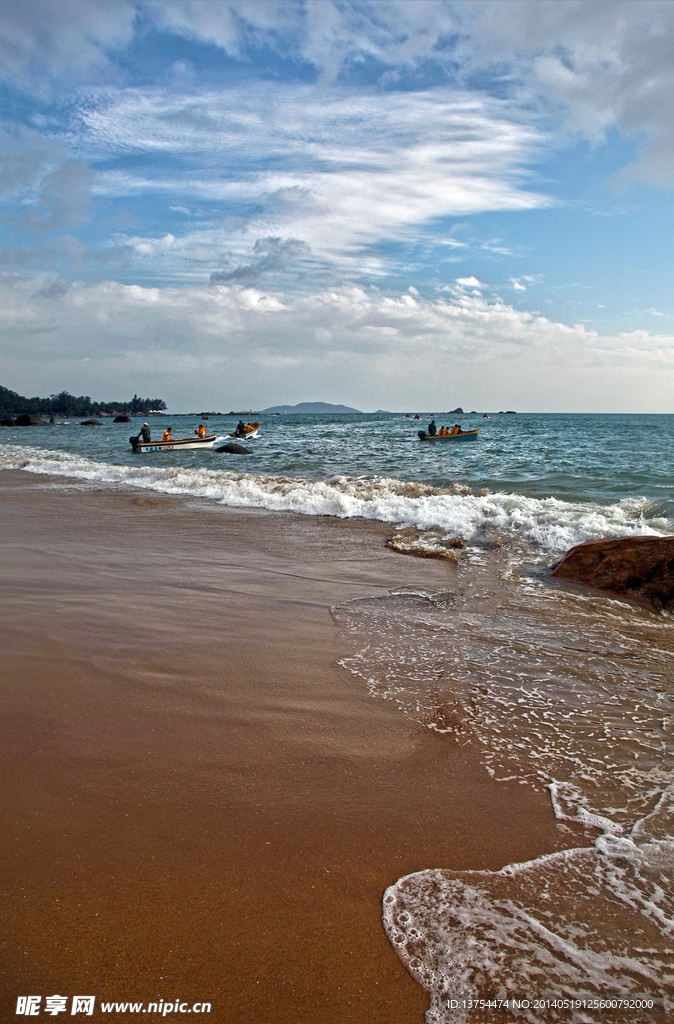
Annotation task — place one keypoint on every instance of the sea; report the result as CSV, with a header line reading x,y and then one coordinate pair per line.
x,y
564,689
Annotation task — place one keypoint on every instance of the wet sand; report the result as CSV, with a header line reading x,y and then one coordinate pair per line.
x,y
198,803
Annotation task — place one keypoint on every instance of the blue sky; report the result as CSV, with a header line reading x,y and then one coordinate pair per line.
x,y
386,204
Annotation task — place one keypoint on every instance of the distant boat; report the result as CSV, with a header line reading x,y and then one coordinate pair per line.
x,y
170,446
485,417
463,435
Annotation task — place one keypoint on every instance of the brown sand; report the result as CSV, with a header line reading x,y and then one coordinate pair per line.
x,y
197,802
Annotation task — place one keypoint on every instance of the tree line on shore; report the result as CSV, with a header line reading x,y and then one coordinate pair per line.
x,y
65,404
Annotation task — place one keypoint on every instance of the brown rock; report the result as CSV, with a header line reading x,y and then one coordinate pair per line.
x,y
90,423
422,544
641,568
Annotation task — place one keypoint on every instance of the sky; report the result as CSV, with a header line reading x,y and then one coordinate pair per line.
x,y
403,205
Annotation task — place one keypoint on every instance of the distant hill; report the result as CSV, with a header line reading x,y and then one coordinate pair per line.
x,y
310,407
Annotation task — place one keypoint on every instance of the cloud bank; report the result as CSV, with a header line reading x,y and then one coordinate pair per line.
x,y
234,344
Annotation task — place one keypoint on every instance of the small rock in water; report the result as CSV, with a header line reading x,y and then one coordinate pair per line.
x,y
26,419
234,449
663,509
90,423
486,537
638,567
461,489
422,544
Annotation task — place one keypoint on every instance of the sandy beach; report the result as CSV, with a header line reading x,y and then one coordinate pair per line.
x,y
199,803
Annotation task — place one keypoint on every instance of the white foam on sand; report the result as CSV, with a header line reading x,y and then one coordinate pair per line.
x,y
582,925
561,692
549,525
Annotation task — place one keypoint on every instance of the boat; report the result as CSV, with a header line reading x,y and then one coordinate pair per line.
x,y
175,444
463,435
250,430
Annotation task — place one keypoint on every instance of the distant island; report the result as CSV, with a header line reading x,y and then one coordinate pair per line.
x,y
310,407
65,404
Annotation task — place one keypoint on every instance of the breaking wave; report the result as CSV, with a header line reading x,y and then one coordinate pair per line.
x,y
548,526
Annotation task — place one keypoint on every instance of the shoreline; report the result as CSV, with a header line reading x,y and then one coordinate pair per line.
x,y
200,803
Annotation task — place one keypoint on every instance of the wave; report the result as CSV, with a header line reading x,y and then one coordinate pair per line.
x,y
600,944
561,692
548,525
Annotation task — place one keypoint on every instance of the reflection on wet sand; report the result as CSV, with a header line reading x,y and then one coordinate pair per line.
x,y
198,803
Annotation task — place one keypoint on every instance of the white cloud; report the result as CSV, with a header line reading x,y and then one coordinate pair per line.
x,y
46,40
327,34
597,62
48,190
25,157
603,63
227,342
348,171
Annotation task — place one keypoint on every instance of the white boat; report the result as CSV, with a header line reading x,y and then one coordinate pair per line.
x,y
245,437
250,430
179,444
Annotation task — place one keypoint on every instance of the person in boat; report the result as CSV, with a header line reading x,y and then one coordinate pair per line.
x,y
166,436
432,429
456,429
241,428
145,433
201,432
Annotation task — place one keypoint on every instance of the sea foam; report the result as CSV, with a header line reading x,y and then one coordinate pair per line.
x,y
548,525
563,692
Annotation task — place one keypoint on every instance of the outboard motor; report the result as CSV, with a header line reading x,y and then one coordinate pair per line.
x,y
134,441
421,434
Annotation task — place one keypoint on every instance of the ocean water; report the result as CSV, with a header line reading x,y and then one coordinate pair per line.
x,y
550,481
565,690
